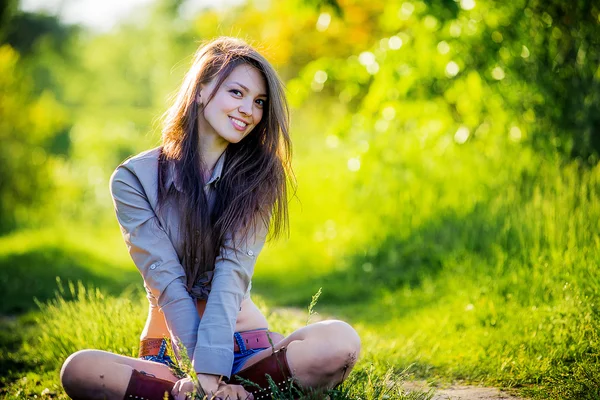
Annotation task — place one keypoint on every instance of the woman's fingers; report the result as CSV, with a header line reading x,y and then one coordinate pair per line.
x,y
182,388
233,392
176,389
224,392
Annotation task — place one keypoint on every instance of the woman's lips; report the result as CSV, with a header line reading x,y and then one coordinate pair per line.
x,y
237,124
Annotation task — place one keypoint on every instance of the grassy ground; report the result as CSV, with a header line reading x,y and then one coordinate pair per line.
x,y
504,292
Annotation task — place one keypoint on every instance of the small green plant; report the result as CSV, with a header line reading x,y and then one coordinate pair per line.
x,y
184,365
313,303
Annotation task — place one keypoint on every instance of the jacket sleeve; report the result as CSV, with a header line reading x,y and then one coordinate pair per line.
x,y
234,267
155,257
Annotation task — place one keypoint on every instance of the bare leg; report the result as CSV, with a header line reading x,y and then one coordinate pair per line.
x,y
320,355
96,374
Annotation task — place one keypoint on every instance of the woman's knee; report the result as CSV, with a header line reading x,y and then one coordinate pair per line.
x,y
95,374
326,354
337,339
72,373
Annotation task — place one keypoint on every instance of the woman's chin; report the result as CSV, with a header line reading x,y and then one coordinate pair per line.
x,y
233,138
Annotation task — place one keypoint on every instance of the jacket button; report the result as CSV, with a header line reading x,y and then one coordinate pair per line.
x,y
250,253
153,266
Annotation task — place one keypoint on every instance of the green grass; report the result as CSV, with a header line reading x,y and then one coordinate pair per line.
x,y
93,320
31,262
501,292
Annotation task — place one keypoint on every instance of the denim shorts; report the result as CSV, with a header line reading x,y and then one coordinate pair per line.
x,y
239,357
163,358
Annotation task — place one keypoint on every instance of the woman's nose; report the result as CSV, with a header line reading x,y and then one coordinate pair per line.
x,y
245,108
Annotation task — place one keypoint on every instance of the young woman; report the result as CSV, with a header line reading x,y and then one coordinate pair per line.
x,y
195,213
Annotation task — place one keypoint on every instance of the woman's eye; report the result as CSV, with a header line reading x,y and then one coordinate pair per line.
x,y
235,92
260,102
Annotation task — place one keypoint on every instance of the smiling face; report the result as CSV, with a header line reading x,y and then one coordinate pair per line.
x,y
236,107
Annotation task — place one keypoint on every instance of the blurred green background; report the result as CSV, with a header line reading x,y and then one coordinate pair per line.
x,y
446,154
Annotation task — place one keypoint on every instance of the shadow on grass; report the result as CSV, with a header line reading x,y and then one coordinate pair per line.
x,y
406,263
12,363
33,275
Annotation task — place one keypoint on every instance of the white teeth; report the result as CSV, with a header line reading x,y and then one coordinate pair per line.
x,y
239,123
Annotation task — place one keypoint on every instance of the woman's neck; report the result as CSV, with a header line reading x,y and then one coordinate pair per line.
x,y
211,147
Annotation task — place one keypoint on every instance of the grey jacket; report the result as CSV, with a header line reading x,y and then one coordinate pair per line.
x,y
155,245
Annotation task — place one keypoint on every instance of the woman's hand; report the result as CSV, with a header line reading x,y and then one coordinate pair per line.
x,y
232,392
185,386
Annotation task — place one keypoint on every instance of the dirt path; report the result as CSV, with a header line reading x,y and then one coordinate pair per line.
x,y
450,392
461,392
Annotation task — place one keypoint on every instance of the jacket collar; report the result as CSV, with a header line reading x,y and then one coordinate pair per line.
x,y
173,179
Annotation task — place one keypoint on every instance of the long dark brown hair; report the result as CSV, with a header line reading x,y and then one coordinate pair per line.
x,y
257,171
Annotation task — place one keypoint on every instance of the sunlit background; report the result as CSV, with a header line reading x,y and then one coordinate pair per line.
x,y
446,155
107,14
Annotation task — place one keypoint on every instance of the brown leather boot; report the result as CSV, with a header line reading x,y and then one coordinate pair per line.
x,y
147,387
275,366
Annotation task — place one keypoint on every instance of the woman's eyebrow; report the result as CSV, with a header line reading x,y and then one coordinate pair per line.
x,y
247,90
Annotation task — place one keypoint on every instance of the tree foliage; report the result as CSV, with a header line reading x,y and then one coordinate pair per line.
x,y
28,124
381,90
